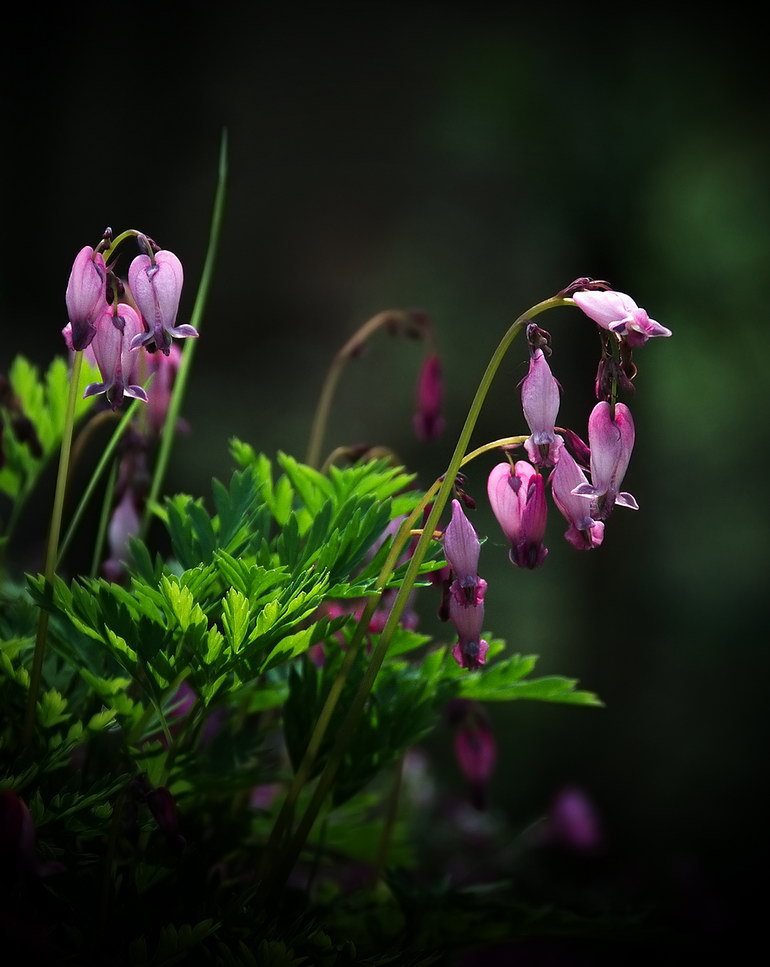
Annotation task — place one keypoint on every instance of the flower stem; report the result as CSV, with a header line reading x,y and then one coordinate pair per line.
x,y
53,545
103,519
96,477
356,708
188,352
351,348
383,847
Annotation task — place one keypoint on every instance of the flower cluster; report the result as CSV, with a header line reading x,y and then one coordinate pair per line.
x,y
517,490
113,318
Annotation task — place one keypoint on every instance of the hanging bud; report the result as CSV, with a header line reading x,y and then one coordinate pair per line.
x,y
540,402
124,525
156,287
164,369
86,296
584,532
462,549
611,444
470,651
111,346
475,749
428,421
577,447
518,502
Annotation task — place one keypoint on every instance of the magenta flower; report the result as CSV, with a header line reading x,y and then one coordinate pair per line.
x,y
475,747
164,369
116,362
468,617
428,421
583,532
124,524
540,402
86,296
611,444
618,313
518,503
572,822
157,286
462,548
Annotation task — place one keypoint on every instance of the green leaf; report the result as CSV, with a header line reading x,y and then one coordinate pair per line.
x,y
235,618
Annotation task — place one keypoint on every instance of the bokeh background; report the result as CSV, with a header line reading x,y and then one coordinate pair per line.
x,y
469,161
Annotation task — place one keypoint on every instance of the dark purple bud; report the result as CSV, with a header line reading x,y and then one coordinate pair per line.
x,y
538,339
577,447
428,420
163,808
583,284
476,751
17,839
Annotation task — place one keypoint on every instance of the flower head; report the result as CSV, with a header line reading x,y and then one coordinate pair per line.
x,y
618,313
117,364
428,421
86,296
611,443
518,503
156,287
540,402
584,532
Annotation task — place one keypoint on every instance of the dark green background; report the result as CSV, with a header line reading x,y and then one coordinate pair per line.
x,y
470,162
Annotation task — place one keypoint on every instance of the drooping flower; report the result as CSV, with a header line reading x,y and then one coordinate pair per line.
x,y
583,532
540,402
86,296
462,549
117,364
468,617
611,443
618,313
164,369
124,524
428,421
518,502
474,745
156,287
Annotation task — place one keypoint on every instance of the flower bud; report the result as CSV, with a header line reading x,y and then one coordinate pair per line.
x,y
86,295
428,421
540,402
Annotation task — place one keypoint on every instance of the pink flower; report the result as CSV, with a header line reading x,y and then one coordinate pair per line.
x,y
428,421
468,617
86,296
165,370
462,548
611,444
618,313
157,286
111,348
518,503
474,745
124,525
584,532
540,402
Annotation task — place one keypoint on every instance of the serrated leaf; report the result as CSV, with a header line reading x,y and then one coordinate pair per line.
x,y
235,618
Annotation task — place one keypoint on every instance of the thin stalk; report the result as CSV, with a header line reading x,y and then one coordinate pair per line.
x,y
344,735
103,519
383,847
180,383
351,348
305,767
53,545
96,477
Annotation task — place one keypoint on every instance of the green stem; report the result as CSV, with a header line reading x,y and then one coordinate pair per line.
x,y
103,519
356,708
53,545
351,348
301,776
383,847
96,477
180,382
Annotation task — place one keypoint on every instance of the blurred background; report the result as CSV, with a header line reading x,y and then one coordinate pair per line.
x,y
469,162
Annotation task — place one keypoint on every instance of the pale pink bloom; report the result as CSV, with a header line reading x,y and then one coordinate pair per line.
x,y
518,503
618,313
86,296
462,548
540,402
428,421
117,364
157,286
124,524
584,532
611,443
164,369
